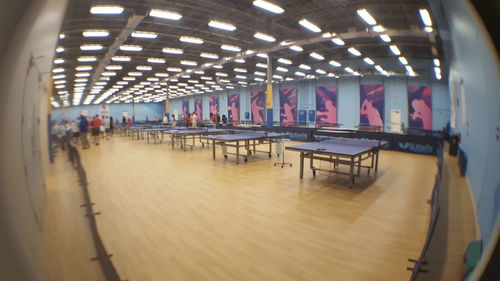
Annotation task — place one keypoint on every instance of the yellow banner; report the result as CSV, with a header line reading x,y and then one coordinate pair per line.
x,y
269,95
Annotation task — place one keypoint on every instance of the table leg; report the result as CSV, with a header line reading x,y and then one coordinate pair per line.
x,y
213,148
270,148
173,140
237,152
351,172
311,165
376,161
301,165
359,165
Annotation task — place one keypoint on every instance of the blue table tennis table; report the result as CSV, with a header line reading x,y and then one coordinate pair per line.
x,y
158,132
184,135
247,140
340,151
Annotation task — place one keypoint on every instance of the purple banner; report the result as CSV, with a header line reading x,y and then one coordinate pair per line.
x,y
198,108
288,105
213,103
233,107
372,105
185,109
420,107
257,100
326,105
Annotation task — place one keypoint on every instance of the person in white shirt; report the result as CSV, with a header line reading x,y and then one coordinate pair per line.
x,y
194,120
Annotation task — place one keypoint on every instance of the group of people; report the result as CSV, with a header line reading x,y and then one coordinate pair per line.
x,y
77,131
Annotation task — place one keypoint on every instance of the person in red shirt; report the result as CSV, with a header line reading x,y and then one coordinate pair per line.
x,y
96,129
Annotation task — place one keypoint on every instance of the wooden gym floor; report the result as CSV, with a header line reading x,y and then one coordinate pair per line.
x,y
174,215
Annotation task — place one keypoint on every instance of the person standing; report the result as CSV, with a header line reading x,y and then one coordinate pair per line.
x,y
224,120
96,129
111,125
174,122
75,130
107,126
84,129
194,120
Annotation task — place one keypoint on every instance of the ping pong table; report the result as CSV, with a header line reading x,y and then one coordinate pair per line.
x,y
184,135
340,151
156,133
247,140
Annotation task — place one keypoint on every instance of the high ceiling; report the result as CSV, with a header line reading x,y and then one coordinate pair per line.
x,y
78,82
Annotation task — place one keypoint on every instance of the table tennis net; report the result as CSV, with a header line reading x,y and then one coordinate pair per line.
x,y
353,142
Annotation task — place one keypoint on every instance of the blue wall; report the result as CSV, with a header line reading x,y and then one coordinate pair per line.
x,y
475,72
142,110
348,98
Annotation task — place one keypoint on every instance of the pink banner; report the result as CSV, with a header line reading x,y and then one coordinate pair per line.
x,y
233,107
257,100
288,105
326,105
420,107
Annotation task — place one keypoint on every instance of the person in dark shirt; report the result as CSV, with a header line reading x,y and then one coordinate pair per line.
x,y
224,119
84,130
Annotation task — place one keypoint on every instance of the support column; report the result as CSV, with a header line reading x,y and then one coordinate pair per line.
x,y
167,109
269,106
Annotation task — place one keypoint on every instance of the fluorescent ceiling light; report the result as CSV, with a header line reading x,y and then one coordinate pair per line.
x,y
334,63
192,40
127,79
206,78
428,29
259,73
385,38
241,70
134,73
82,74
209,56
59,49
91,47
338,41
305,66
240,60
378,28
222,25
354,51
174,51
379,68
120,58
189,62
320,71
131,48
95,33
230,48
58,61
284,61
403,60
199,72
327,35
265,37
144,67
258,79
60,86
221,74
437,62
410,70
83,68
300,73
369,61
60,76
426,17
395,50
317,56
58,82
261,65
86,59
109,73
114,67
296,48
241,77
174,69
309,25
62,36
262,55
348,69
218,66
363,13
276,76
164,14
437,69
281,69
162,74
144,34
106,10
273,8
156,60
